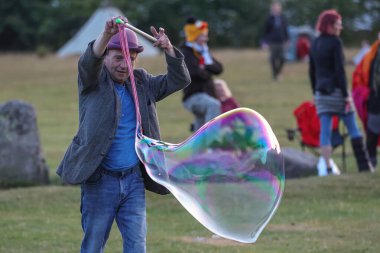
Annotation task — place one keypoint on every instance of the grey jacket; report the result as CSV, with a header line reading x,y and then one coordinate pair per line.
x,y
99,110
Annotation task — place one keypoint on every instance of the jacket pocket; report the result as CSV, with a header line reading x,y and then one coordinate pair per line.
x,y
95,178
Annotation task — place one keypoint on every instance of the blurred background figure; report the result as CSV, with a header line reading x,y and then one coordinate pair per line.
x,y
199,97
373,122
364,47
224,95
276,37
303,47
329,85
366,91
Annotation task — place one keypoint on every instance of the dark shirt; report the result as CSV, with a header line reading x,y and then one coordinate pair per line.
x,y
201,78
276,29
374,85
326,67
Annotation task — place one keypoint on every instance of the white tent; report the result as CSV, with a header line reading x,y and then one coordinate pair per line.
x,y
92,28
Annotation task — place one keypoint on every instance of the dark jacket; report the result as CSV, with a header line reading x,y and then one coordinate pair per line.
x,y
201,79
374,85
326,67
276,34
99,110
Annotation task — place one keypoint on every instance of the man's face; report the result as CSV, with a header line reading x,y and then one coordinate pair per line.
x,y
116,65
276,9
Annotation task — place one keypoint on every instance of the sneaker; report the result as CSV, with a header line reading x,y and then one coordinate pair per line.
x,y
321,167
323,170
334,167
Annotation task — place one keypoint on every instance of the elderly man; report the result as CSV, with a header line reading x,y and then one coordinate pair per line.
x,y
102,157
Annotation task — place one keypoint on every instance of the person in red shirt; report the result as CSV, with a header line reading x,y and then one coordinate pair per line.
x,y
224,95
303,47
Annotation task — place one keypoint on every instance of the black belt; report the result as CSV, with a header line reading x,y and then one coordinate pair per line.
x,y
120,174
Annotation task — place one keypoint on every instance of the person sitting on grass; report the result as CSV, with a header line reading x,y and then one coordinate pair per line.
x,y
224,95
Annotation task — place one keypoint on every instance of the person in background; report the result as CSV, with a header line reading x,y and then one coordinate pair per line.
x,y
366,88
199,97
276,37
224,95
102,156
373,107
329,85
303,47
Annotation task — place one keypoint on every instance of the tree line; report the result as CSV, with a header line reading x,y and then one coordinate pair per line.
x,y
26,25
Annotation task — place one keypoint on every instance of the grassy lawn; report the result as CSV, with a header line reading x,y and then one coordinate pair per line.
x,y
334,214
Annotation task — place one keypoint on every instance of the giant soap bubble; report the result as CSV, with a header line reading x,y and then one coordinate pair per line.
x,y
229,175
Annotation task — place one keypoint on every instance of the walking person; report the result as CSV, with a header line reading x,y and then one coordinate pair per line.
x,y
276,37
329,85
199,97
102,156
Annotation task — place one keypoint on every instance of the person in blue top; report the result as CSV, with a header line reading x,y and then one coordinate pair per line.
x,y
102,156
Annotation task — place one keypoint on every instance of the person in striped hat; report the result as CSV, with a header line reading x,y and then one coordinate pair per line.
x,y
199,97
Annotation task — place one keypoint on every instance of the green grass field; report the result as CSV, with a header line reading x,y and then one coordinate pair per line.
x,y
331,214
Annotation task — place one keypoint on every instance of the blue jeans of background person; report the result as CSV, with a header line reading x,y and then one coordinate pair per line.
x,y
204,107
326,127
106,198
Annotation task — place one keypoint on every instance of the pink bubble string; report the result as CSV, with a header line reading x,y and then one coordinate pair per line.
x,y
229,175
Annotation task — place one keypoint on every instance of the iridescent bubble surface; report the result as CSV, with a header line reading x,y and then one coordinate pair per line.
x,y
229,175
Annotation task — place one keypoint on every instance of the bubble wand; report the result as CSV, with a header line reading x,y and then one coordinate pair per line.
x,y
136,30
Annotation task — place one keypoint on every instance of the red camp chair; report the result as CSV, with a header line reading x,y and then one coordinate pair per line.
x,y
309,128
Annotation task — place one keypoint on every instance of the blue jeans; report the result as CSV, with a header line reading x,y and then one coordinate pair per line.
x,y
326,127
106,198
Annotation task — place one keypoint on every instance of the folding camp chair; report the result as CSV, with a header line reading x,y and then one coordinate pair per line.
x,y
308,129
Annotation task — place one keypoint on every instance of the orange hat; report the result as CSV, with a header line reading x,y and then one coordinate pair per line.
x,y
194,29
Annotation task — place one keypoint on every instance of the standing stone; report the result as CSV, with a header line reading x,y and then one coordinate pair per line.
x,y
298,163
21,158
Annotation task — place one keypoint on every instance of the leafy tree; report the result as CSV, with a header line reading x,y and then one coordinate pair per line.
x,y
26,24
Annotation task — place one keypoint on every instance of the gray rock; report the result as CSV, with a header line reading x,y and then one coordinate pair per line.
x,y
298,163
21,158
